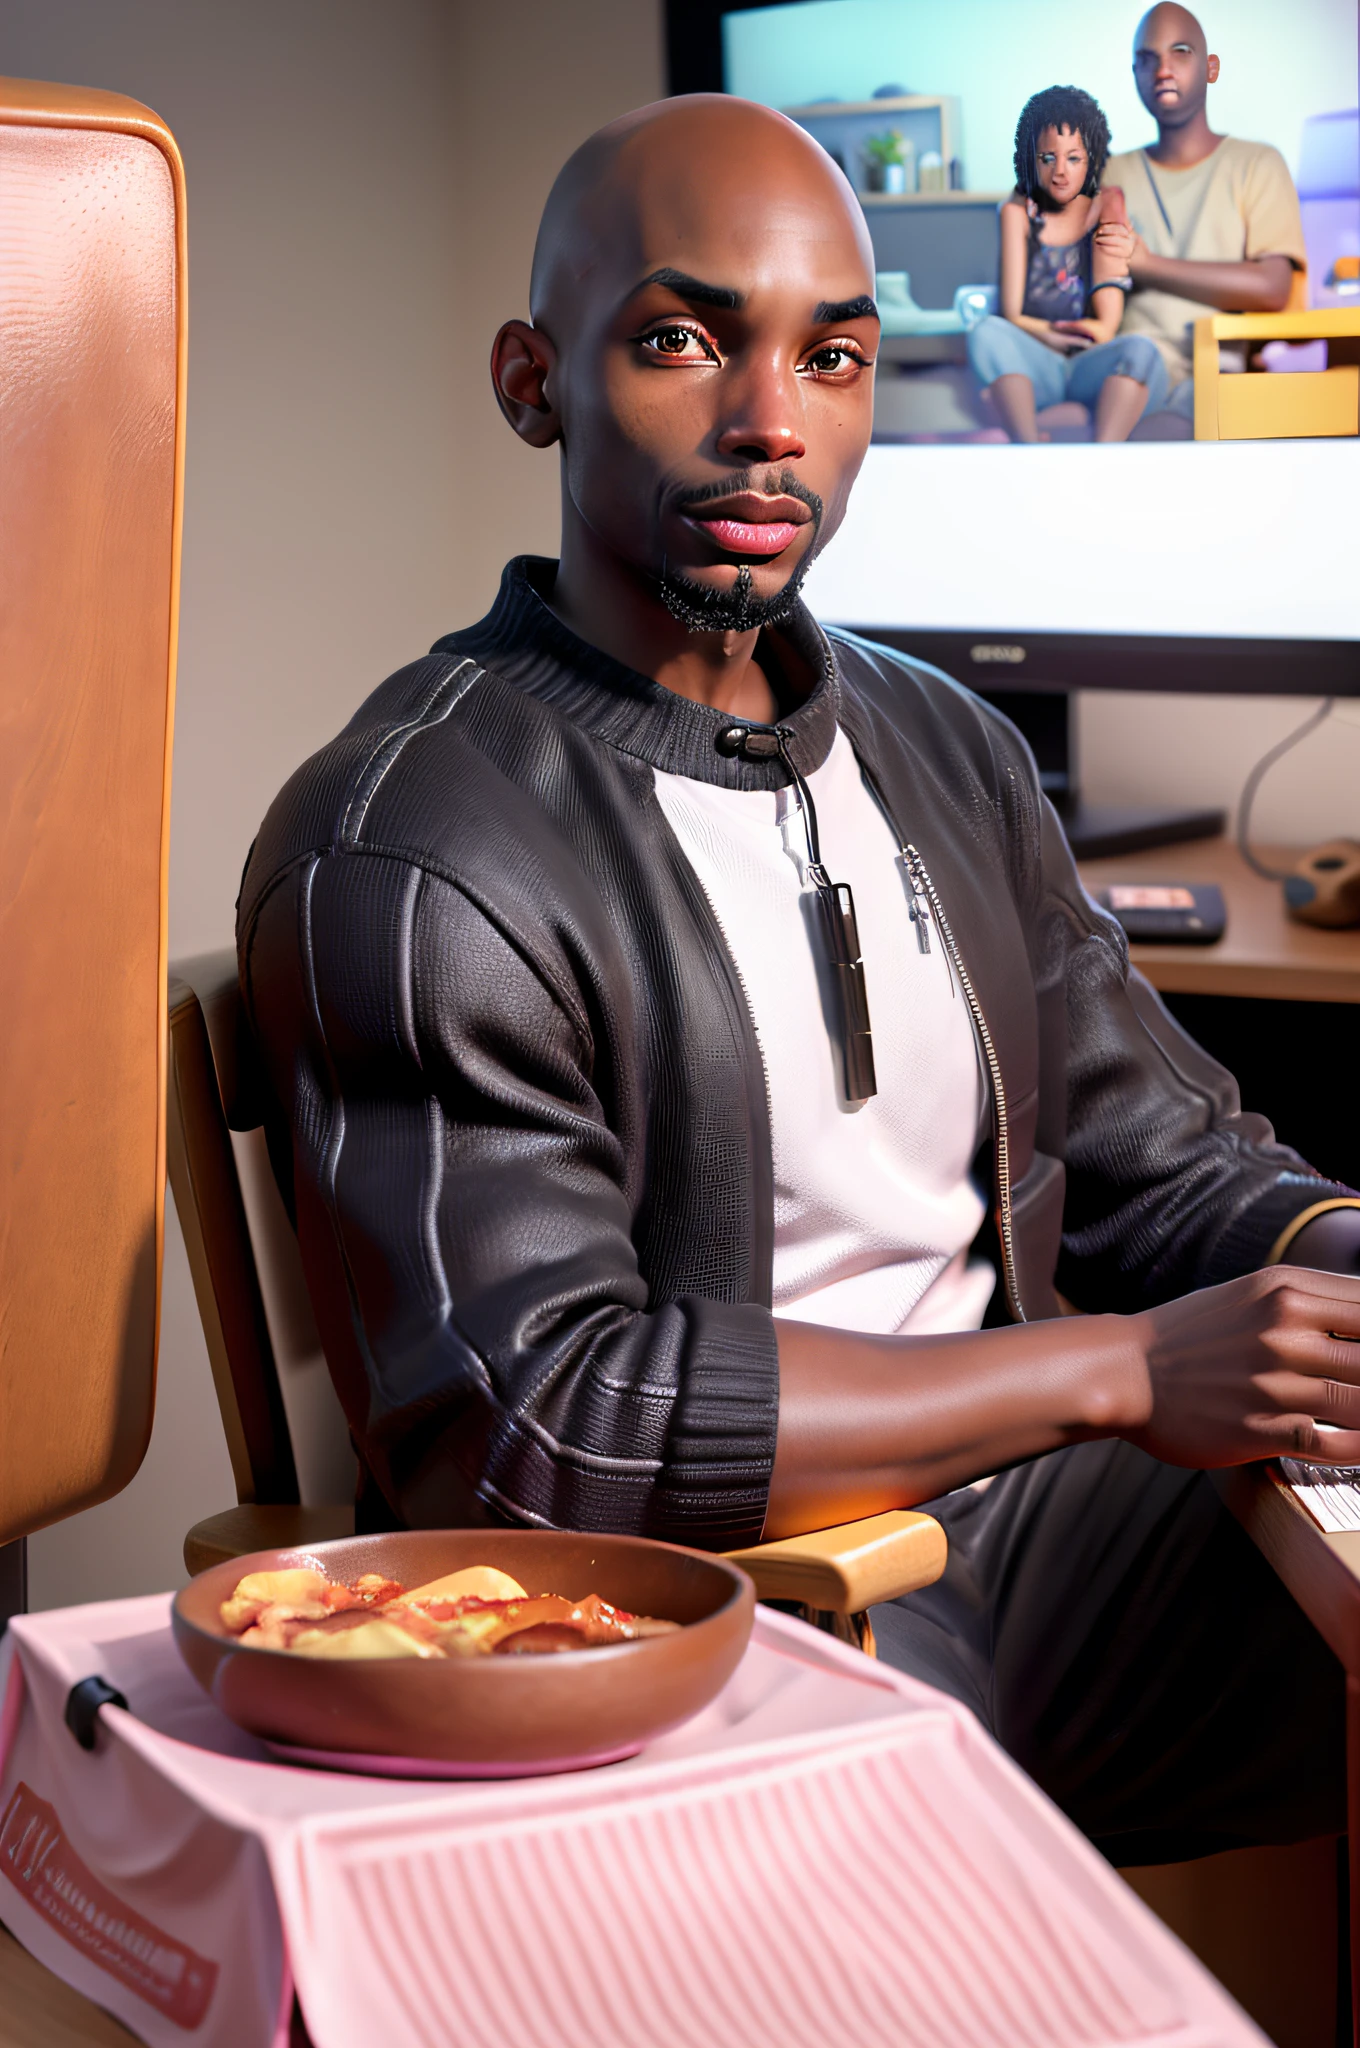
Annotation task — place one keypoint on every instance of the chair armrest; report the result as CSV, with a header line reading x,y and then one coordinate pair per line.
x,y
259,1525
845,1570
1321,323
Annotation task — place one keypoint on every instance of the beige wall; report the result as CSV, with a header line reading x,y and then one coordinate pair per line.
x,y
364,182
1199,750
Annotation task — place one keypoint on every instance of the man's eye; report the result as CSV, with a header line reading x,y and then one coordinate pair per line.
x,y
833,359
677,343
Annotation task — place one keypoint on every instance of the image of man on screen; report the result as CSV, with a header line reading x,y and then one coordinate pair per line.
x,y
1216,220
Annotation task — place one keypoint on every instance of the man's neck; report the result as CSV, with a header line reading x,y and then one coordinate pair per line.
x,y
612,606
1180,149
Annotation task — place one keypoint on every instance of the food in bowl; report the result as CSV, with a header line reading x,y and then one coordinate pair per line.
x,y
475,1612
480,1716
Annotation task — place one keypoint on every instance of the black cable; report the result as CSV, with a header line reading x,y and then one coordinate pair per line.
x,y
1254,781
820,877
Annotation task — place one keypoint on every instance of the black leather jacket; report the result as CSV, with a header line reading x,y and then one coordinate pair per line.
x,y
520,1107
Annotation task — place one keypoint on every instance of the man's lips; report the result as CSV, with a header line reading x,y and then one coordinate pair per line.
x,y
751,525
750,537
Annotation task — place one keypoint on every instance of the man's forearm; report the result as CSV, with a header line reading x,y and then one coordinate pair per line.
x,y
1259,286
870,1423
1233,1373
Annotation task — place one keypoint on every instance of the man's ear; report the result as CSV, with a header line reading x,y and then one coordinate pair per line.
x,y
1211,69
522,360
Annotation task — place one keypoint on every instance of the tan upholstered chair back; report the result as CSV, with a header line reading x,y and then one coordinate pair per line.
x,y
92,353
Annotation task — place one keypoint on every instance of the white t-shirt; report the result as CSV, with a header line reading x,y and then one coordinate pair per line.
x,y
874,1207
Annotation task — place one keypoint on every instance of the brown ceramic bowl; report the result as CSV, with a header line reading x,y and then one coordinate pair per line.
x,y
480,1716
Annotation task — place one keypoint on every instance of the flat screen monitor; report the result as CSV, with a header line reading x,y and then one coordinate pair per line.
x,y
1220,553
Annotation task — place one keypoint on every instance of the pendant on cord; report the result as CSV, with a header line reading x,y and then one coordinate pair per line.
x,y
836,904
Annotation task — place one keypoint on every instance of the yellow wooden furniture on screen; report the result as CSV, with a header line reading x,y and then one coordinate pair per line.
x,y
1298,405
247,1274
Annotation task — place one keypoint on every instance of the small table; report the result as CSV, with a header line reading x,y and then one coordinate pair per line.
x,y
1262,952
36,2006
1265,953
1322,1571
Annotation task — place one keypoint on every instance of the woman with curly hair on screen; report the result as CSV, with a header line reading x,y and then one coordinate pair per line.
x,y
1065,248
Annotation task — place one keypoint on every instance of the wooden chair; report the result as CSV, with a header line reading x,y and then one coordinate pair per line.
x,y
1301,404
92,338
92,344
279,1413
267,1366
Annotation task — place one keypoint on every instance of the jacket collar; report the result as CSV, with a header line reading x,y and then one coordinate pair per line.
x,y
522,640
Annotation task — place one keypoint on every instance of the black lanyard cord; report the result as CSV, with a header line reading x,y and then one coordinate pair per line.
x,y
1161,205
837,904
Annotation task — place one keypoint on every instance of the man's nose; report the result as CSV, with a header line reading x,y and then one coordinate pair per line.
x,y
764,422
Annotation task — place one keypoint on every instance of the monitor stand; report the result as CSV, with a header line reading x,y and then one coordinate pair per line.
x,y
1094,831
1097,830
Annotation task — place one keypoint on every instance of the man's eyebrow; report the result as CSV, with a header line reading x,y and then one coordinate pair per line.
x,y
687,287
862,308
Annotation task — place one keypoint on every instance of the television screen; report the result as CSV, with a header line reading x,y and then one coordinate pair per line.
x,y
1007,156
1022,171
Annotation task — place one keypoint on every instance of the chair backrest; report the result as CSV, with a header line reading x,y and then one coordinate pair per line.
x,y
92,353
286,1433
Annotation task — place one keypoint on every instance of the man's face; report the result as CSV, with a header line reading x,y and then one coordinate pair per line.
x,y
716,392
1062,164
1172,68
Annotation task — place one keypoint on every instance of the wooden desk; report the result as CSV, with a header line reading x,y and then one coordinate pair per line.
x,y
1322,1571
1262,952
37,2007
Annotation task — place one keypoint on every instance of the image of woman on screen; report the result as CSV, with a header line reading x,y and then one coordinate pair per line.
x,y
1053,357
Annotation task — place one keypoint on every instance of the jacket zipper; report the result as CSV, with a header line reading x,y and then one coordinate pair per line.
x,y
924,887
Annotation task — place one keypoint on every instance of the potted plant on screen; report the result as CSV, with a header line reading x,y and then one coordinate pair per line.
x,y
888,161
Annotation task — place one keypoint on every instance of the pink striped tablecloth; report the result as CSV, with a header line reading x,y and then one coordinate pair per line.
x,y
831,1856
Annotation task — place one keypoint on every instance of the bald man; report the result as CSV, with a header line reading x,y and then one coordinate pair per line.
x,y
1217,221
687,1030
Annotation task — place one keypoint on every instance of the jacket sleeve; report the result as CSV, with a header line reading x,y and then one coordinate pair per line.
x,y
1171,1185
464,1208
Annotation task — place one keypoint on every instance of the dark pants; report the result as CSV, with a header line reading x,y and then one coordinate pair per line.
x,y
1116,1631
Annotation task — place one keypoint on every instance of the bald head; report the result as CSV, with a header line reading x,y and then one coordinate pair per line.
x,y
704,170
1170,20
1173,67
702,351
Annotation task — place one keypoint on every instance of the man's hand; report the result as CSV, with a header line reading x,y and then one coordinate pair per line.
x,y
1248,1370
1116,240
1138,258
1230,1374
